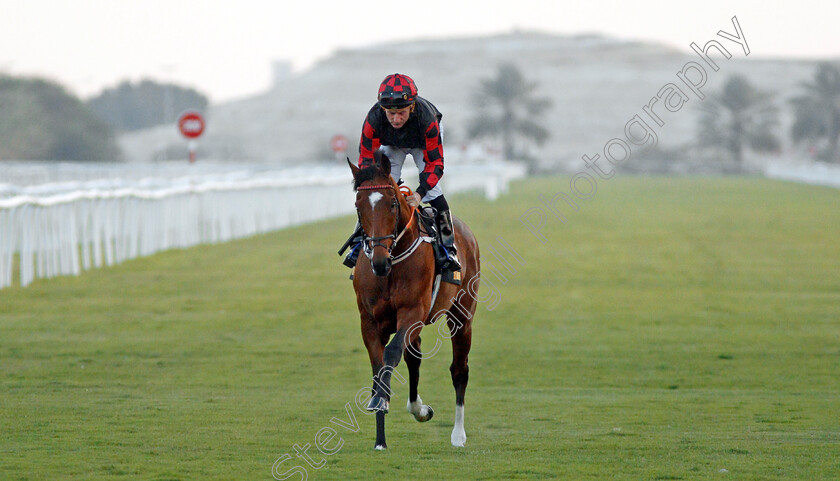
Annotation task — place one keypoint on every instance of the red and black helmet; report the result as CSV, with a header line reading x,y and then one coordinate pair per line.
x,y
397,91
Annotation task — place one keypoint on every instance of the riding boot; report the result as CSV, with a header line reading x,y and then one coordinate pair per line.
x,y
447,237
355,240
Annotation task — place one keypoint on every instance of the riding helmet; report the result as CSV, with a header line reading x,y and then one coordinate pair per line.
x,y
397,91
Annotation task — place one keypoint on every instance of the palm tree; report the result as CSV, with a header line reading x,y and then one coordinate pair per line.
x,y
507,108
739,116
817,111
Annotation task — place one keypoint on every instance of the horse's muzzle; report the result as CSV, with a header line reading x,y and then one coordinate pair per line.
x,y
381,265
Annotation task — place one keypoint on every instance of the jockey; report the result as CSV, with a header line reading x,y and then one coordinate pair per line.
x,y
402,123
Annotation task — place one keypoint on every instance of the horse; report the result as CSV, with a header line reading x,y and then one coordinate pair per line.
x,y
397,294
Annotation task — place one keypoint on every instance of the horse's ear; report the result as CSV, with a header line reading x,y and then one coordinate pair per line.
x,y
382,160
353,167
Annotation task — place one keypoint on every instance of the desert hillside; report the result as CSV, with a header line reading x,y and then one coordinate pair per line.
x,y
597,84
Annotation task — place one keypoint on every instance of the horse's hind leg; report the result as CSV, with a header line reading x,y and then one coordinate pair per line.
x,y
461,342
415,406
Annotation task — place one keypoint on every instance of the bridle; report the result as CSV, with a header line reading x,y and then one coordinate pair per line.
x,y
370,243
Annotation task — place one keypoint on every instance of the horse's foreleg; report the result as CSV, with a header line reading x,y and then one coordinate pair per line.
x,y
375,345
382,387
461,342
380,401
380,431
383,371
415,406
409,324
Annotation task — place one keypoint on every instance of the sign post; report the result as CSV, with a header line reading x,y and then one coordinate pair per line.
x,y
191,124
339,144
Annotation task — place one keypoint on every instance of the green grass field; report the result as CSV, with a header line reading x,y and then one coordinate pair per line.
x,y
671,329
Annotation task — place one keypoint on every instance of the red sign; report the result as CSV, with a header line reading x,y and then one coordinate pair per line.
x,y
191,124
338,143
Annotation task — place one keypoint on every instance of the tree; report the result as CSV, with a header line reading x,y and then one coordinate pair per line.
x,y
133,106
507,108
739,116
817,110
39,120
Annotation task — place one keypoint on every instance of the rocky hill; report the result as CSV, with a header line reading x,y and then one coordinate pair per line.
x,y
597,85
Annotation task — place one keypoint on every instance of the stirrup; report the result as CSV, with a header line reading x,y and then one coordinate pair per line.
x,y
451,263
357,237
450,268
352,256
447,241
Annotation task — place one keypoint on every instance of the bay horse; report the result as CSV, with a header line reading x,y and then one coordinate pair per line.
x,y
397,294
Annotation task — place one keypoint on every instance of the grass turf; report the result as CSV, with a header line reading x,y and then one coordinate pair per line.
x,y
670,329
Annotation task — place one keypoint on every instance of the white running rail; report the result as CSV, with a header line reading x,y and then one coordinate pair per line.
x,y
817,173
63,219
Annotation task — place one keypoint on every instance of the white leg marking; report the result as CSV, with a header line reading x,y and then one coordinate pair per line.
x,y
459,436
379,447
414,407
375,197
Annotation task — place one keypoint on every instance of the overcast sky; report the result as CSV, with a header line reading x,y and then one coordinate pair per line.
x,y
224,48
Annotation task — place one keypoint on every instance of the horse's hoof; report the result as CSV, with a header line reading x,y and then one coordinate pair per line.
x,y
425,414
378,404
421,412
381,447
458,438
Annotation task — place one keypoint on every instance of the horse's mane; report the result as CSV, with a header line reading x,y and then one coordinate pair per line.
x,y
381,167
367,173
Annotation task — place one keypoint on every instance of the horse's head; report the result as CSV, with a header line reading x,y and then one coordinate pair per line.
x,y
380,207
